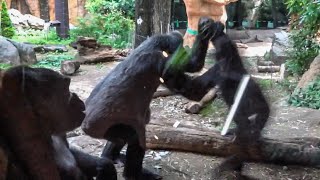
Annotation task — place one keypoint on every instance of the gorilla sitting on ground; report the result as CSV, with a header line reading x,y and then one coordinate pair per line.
x,y
36,111
118,107
253,110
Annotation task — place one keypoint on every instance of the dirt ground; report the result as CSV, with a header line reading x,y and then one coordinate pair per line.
x,y
284,122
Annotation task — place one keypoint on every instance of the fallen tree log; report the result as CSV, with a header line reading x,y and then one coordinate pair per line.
x,y
302,151
103,54
69,67
265,63
269,69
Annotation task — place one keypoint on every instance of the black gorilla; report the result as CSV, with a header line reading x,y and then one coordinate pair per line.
x,y
253,110
118,107
36,111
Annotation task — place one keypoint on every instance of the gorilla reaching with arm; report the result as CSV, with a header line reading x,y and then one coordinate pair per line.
x,y
227,73
118,107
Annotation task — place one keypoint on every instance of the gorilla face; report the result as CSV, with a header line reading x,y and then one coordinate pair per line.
x,y
46,94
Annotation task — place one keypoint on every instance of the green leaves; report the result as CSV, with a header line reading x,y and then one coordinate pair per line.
x,y
52,61
179,59
308,96
303,36
110,29
6,27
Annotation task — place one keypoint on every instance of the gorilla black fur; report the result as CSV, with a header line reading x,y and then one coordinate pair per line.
x,y
118,107
253,110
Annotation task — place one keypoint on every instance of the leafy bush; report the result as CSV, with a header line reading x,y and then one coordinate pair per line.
x,y
52,61
6,27
108,6
265,10
308,96
303,37
111,29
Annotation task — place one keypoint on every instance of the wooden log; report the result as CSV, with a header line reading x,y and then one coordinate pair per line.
x,y
265,63
195,107
269,69
102,54
69,67
302,151
163,93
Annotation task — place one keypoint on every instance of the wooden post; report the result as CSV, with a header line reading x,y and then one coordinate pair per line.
x,y
62,15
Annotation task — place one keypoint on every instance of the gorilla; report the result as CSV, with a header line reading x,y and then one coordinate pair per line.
x,y
36,111
118,107
227,72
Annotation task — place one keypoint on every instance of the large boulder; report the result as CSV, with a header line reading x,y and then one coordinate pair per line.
x,y
15,53
25,21
26,52
311,74
18,19
9,54
279,47
34,22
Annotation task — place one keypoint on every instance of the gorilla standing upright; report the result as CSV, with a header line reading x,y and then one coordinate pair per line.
x,y
253,110
118,107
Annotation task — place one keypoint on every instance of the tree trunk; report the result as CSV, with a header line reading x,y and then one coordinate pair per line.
x,y
161,17
44,10
290,152
143,20
62,15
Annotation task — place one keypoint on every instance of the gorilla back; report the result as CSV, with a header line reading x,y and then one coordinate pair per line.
x,y
124,95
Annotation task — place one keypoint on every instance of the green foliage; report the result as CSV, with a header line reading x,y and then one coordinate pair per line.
x,y
110,29
6,27
4,66
308,96
217,108
41,38
52,61
265,10
304,46
107,6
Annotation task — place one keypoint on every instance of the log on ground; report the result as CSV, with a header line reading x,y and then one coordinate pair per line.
x,y
202,141
69,67
269,69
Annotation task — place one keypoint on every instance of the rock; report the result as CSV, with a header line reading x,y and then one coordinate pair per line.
x,y
26,52
15,53
18,19
282,38
311,74
35,22
278,50
9,54
76,8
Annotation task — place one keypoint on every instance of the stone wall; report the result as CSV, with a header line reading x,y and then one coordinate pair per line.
x,y
45,8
